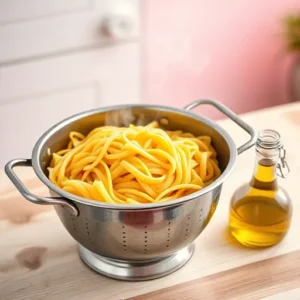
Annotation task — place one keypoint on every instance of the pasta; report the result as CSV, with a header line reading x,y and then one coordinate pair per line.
x,y
134,165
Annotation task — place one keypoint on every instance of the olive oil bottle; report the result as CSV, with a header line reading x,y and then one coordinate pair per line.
x,y
260,211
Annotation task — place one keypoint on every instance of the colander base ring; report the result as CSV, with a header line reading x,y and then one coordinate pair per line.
x,y
136,271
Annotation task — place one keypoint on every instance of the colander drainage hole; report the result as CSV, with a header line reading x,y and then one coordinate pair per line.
x,y
187,227
73,223
146,241
88,231
168,235
124,238
200,215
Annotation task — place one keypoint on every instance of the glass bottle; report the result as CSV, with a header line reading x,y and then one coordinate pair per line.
x,y
261,211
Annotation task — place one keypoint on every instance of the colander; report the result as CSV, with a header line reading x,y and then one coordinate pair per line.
x,y
134,242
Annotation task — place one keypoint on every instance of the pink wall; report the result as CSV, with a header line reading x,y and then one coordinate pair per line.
x,y
230,51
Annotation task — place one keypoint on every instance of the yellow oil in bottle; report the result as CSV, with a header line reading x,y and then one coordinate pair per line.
x,y
260,211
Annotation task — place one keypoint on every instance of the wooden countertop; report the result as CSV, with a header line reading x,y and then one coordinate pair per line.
x,y
39,259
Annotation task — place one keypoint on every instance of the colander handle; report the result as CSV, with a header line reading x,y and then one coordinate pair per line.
x,y
230,114
22,162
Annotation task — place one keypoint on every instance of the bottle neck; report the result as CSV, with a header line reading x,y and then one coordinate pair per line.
x,y
267,156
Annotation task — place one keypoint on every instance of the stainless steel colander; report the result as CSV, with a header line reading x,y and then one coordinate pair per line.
x,y
128,241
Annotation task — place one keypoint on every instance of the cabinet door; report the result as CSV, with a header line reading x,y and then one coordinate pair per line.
x,y
32,29
36,95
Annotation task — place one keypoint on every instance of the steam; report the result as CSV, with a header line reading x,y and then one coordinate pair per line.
x,y
126,117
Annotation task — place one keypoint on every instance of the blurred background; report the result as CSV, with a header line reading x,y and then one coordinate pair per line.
x,y
61,57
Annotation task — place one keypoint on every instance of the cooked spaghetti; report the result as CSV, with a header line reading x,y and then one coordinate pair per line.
x,y
134,165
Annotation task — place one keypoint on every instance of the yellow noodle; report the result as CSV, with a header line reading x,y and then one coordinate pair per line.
x,y
148,188
134,171
147,144
131,201
153,124
134,165
125,178
177,187
136,192
128,185
62,152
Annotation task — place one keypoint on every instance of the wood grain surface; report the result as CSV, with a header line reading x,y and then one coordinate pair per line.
x,y
253,281
39,259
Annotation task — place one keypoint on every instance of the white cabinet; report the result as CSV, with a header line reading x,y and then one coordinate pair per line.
x,y
55,61
38,28
33,116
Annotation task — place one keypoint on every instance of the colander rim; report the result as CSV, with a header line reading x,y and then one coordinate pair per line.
x,y
36,152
